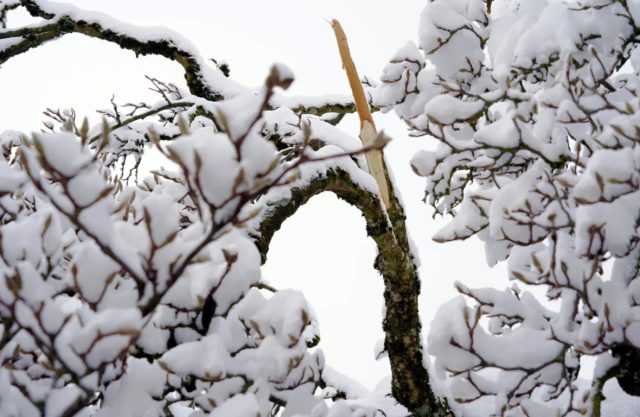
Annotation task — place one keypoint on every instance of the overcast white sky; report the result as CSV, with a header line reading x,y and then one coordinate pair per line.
x,y
323,250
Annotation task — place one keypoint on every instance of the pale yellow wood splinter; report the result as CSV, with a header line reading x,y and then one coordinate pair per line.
x,y
367,126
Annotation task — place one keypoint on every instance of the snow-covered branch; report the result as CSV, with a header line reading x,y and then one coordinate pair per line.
x,y
534,106
153,290
203,79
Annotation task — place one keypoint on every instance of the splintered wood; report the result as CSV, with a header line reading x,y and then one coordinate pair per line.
x,y
368,131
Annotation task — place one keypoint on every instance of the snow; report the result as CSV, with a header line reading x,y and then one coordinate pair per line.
x,y
205,358
501,133
618,403
104,323
445,109
352,388
163,217
218,177
63,152
441,19
93,272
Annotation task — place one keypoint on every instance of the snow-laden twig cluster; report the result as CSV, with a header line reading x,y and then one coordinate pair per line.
x,y
130,300
535,107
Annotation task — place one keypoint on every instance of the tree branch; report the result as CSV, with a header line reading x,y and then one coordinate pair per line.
x,y
141,116
402,327
203,80
340,105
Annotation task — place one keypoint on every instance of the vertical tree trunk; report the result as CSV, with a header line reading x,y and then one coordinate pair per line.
x,y
403,342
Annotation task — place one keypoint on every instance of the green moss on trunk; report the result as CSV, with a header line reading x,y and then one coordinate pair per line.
x,y
402,327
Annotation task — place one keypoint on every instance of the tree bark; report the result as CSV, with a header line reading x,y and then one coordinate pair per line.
x,y
402,326
628,369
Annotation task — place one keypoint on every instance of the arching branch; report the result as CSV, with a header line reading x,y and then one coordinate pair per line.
x,y
203,79
402,327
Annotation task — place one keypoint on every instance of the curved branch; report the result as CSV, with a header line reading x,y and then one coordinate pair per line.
x,y
202,79
340,105
142,116
402,327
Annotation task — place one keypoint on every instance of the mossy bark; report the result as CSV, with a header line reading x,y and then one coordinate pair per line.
x,y
628,369
402,327
62,25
